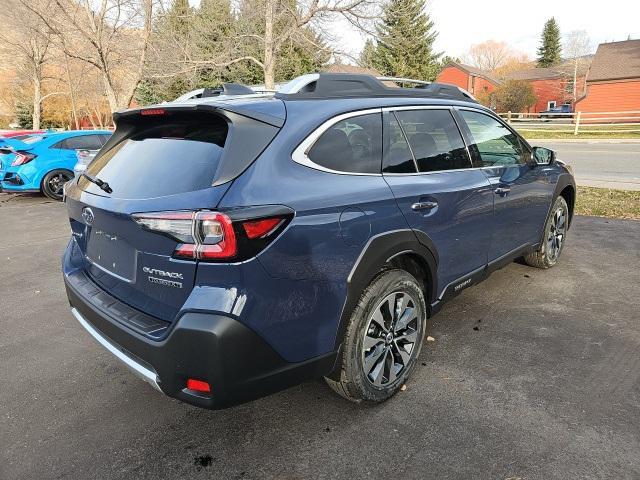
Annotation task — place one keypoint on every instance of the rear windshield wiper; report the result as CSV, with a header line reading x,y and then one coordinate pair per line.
x,y
100,183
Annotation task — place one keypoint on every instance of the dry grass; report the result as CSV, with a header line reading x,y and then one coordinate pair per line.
x,y
605,202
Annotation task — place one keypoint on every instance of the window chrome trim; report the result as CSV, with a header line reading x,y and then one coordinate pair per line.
x,y
300,154
453,170
417,107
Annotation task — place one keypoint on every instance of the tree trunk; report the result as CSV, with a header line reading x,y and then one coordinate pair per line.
x,y
37,100
72,94
575,80
110,92
269,46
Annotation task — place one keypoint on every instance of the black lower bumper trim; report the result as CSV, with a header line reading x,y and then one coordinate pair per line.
x,y
238,364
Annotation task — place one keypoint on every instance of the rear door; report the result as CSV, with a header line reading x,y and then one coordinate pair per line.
x,y
521,191
428,168
156,164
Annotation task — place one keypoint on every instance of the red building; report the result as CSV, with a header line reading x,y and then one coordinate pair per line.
x,y
552,86
613,80
475,81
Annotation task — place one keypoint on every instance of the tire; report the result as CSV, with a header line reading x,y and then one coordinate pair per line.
x,y
53,181
376,373
555,233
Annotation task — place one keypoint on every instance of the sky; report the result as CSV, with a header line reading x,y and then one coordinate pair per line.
x,y
461,24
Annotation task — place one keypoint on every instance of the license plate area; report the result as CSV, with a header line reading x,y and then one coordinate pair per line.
x,y
112,254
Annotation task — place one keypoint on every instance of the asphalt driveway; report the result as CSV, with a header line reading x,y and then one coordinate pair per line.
x,y
532,375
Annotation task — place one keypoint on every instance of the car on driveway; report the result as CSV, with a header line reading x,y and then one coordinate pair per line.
x,y
44,163
225,249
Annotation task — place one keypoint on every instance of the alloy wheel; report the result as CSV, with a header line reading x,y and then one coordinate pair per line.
x,y
390,339
57,181
557,233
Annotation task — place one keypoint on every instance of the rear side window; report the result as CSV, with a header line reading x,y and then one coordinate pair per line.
x,y
353,145
493,143
177,156
435,140
84,142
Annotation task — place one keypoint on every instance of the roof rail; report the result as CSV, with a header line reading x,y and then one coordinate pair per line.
x,y
227,89
403,80
316,86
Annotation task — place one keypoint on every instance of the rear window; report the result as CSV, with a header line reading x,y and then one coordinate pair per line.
x,y
162,159
82,142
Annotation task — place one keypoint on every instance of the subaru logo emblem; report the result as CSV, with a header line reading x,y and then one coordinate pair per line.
x,y
87,215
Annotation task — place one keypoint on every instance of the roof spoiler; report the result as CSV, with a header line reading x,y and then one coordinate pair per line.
x,y
169,108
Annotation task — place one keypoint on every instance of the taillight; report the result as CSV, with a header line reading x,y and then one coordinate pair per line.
x,y
216,236
22,158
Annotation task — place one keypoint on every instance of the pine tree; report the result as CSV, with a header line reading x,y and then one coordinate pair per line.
x,y
405,41
179,17
367,55
550,50
24,115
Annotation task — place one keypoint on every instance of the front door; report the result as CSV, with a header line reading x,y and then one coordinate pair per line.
x,y
521,191
428,168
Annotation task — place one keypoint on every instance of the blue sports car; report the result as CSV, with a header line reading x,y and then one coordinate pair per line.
x,y
44,163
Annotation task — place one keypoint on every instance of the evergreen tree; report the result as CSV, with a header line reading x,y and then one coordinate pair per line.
x,y
368,54
179,17
405,41
24,115
550,50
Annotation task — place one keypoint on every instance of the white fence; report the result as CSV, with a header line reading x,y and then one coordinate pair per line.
x,y
578,122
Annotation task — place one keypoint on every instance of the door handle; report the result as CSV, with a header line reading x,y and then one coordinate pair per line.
x,y
424,205
502,190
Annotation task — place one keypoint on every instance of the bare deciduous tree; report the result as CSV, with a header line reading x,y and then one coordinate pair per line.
x,y
577,47
111,35
265,28
28,46
489,55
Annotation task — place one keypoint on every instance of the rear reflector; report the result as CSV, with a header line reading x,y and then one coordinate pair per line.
x,y
198,386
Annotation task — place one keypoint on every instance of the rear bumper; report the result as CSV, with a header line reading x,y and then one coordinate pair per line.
x,y
238,364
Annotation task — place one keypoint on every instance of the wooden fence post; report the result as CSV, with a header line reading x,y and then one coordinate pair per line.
x,y
575,131
509,117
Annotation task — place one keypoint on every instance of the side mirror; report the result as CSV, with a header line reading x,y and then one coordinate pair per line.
x,y
543,156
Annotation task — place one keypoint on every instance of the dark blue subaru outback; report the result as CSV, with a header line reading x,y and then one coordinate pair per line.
x,y
228,247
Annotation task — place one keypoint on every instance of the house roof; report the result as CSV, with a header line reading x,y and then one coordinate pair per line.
x,y
547,73
616,60
475,71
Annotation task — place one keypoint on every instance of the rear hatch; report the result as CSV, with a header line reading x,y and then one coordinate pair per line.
x,y
174,160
